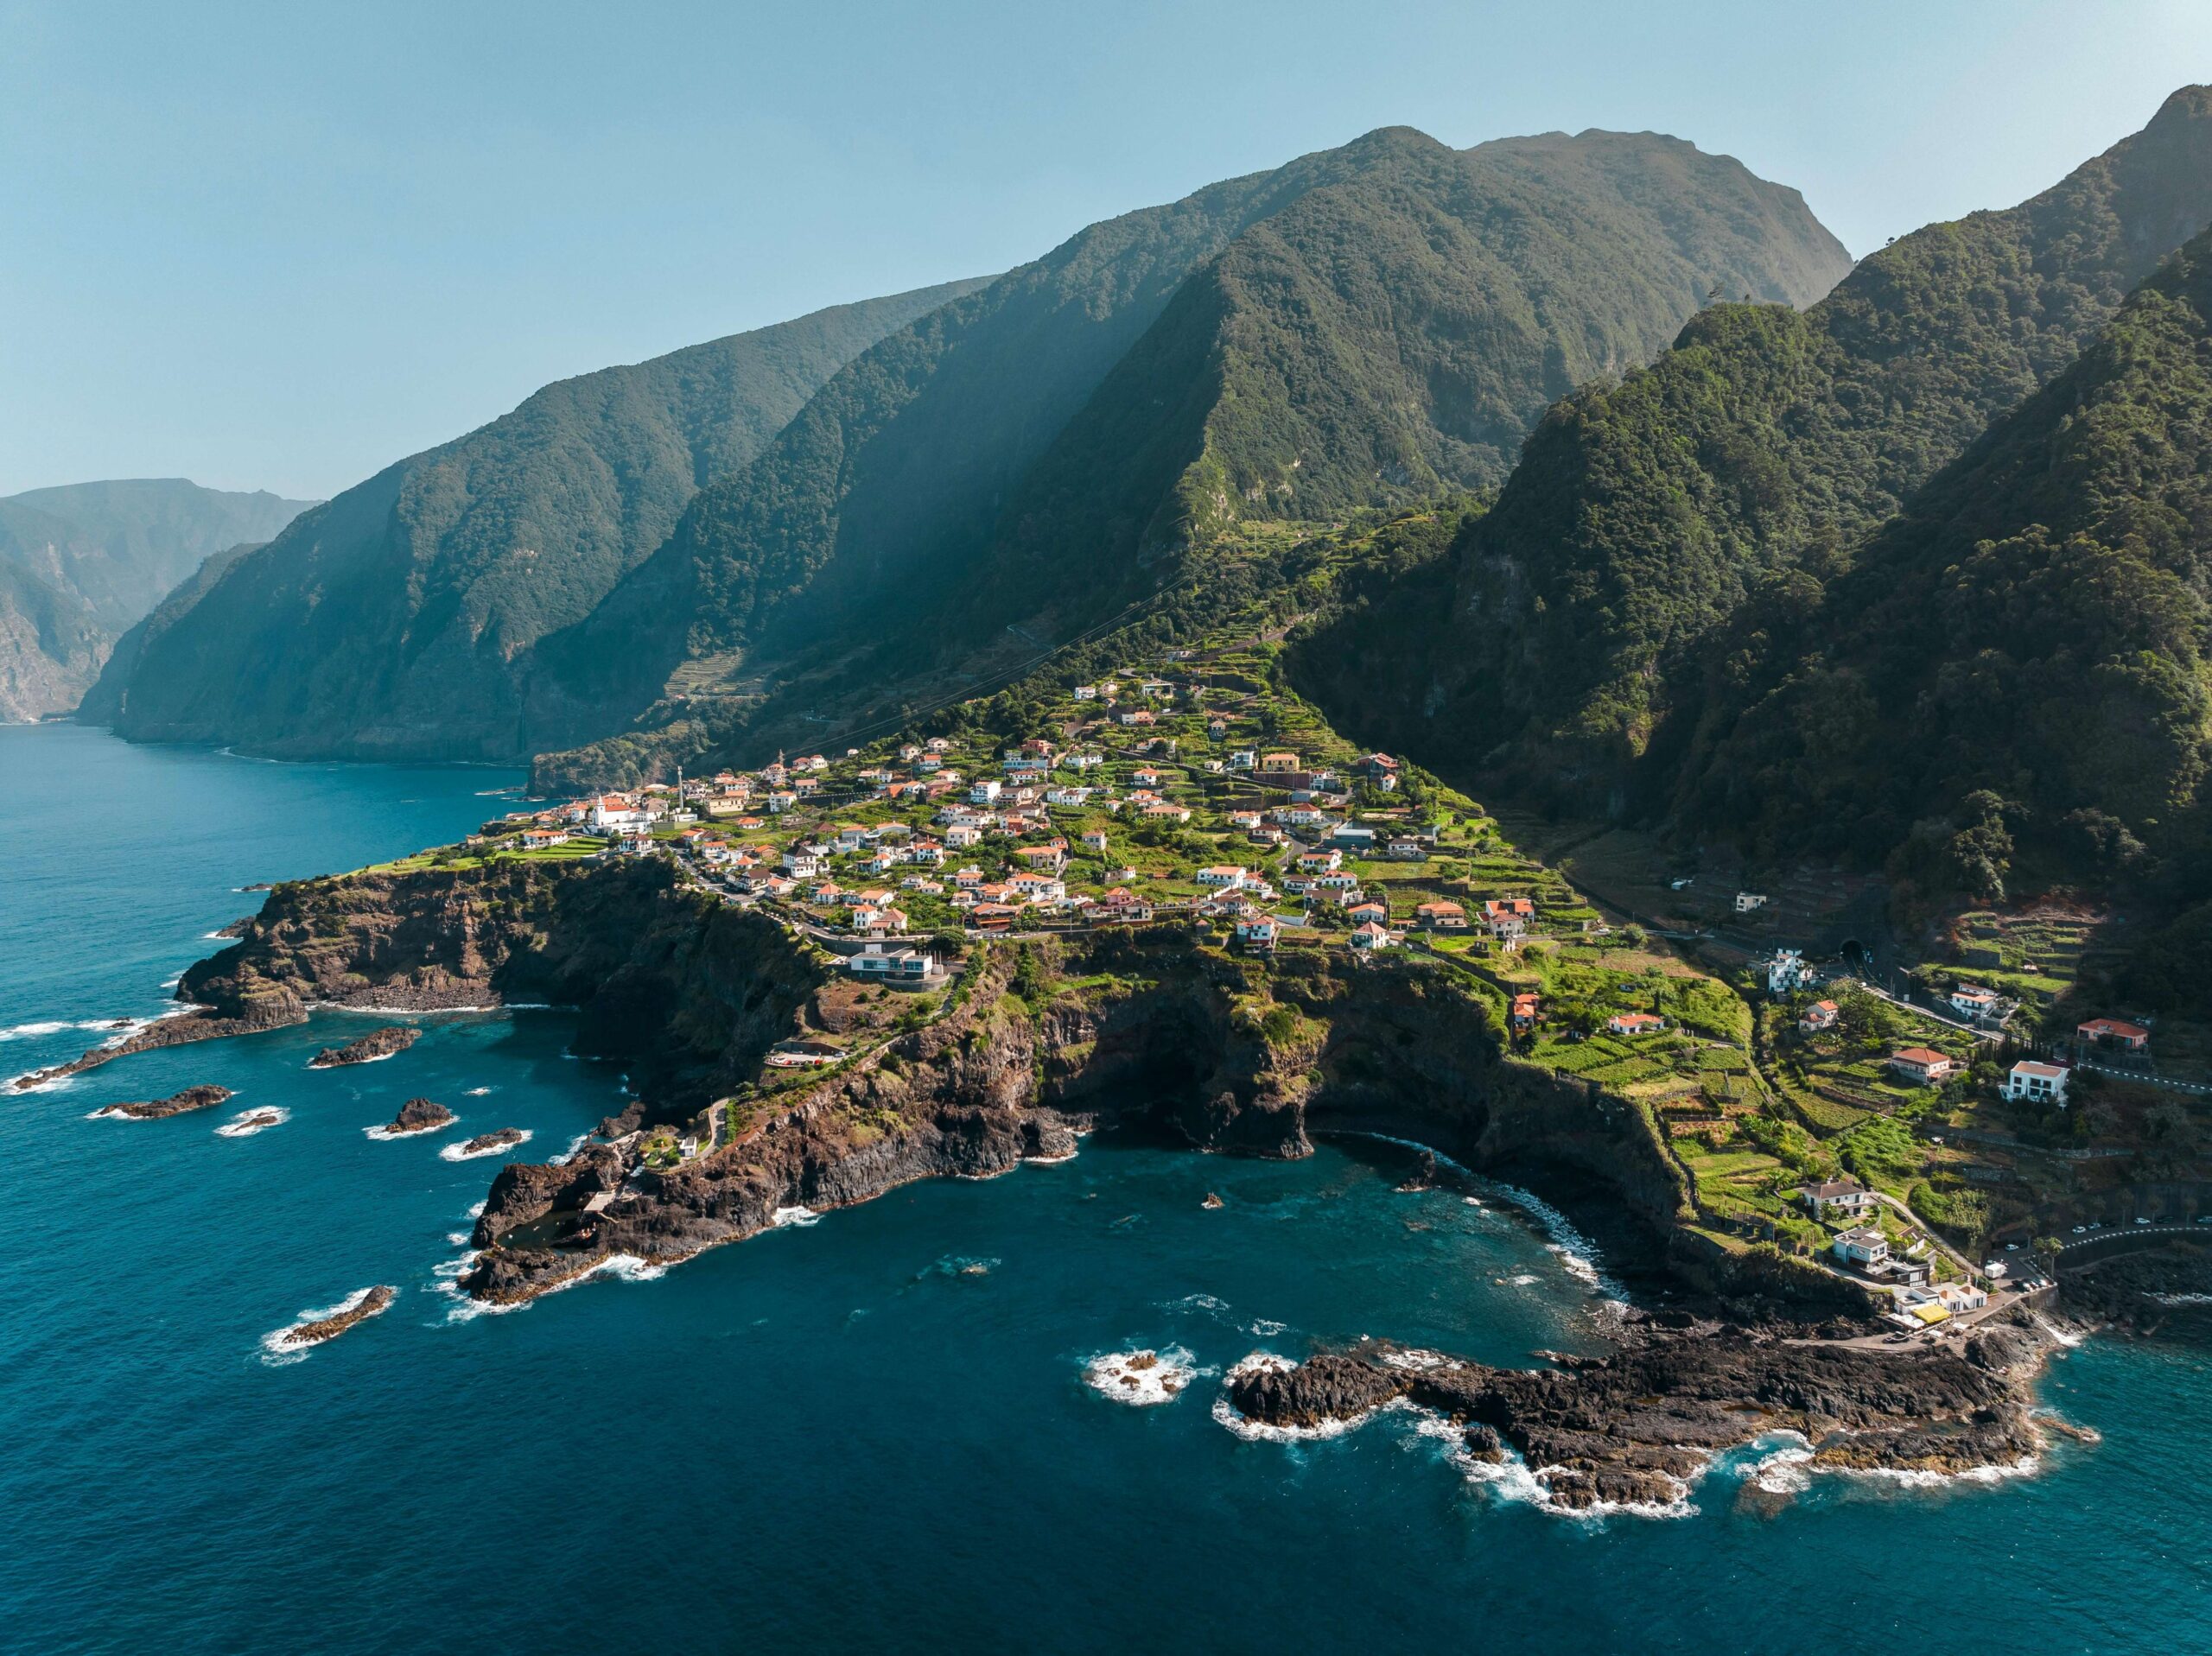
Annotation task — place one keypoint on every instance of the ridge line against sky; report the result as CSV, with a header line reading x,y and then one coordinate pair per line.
x,y
266,248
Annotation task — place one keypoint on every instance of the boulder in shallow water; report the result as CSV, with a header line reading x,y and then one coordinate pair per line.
x,y
420,1115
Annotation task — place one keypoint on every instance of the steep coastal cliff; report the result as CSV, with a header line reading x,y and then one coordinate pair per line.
x,y
1153,1030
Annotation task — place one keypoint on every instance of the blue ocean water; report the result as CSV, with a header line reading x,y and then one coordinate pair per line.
x,y
873,1430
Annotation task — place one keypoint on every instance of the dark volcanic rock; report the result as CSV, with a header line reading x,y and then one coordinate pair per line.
x,y
1324,1388
2143,1292
524,1192
377,1044
329,1327
1047,1136
1635,1428
152,1109
498,1138
1483,1444
420,1115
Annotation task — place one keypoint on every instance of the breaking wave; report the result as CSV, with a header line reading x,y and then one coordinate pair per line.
x,y
246,1124
1142,1378
462,1152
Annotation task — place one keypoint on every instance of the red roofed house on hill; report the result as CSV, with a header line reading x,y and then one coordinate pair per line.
x,y
2112,1031
1922,1063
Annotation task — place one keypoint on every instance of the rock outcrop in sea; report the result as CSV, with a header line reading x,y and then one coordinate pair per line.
x,y
153,1109
377,1044
357,1311
419,1116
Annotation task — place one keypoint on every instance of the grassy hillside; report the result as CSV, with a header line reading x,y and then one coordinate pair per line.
x,y
1642,515
397,619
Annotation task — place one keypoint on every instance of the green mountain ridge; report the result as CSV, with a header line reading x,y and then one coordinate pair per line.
x,y
2018,659
1642,515
1363,327
87,560
397,619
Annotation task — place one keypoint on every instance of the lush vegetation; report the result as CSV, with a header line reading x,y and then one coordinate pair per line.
x,y
1731,480
2013,669
1364,329
399,618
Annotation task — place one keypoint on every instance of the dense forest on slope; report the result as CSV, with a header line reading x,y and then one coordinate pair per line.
x,y
1365,328
398,619
2015,664
1642,515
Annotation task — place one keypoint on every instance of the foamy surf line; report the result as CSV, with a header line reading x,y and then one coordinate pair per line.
x,y
1143,1378
55,1026
1576,1251
628,1267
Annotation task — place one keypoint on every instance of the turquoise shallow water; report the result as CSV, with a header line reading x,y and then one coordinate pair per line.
x,y
836,1436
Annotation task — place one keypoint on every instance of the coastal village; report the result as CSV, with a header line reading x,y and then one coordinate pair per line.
x,y
1934,1154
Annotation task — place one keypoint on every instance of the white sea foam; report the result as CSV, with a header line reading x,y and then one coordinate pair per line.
x,y
478,1092
476,1212
171,983
2182,1299
456,1238
1142,1377
278,1347
628,1267
249,1122
1265,1329
574,1144
50,1026
462,1152
1526,1279
801,1216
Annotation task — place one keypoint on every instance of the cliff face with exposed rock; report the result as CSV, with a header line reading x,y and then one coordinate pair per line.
x,y
1036,1043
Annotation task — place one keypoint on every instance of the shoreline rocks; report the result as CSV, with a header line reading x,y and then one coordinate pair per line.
x,y
329,1327
419,1116
485,1143
153,1109
1637,1427
377,1044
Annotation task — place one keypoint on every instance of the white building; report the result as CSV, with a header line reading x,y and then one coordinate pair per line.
x,y
2044,1083
1786,972
1866,1246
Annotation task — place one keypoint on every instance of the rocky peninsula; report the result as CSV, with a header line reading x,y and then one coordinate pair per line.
x,y
1635,1428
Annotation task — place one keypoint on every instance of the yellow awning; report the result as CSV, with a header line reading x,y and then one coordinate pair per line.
x,y
1930,1314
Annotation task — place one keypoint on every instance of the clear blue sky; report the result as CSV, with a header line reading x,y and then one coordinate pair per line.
x,y
280,246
